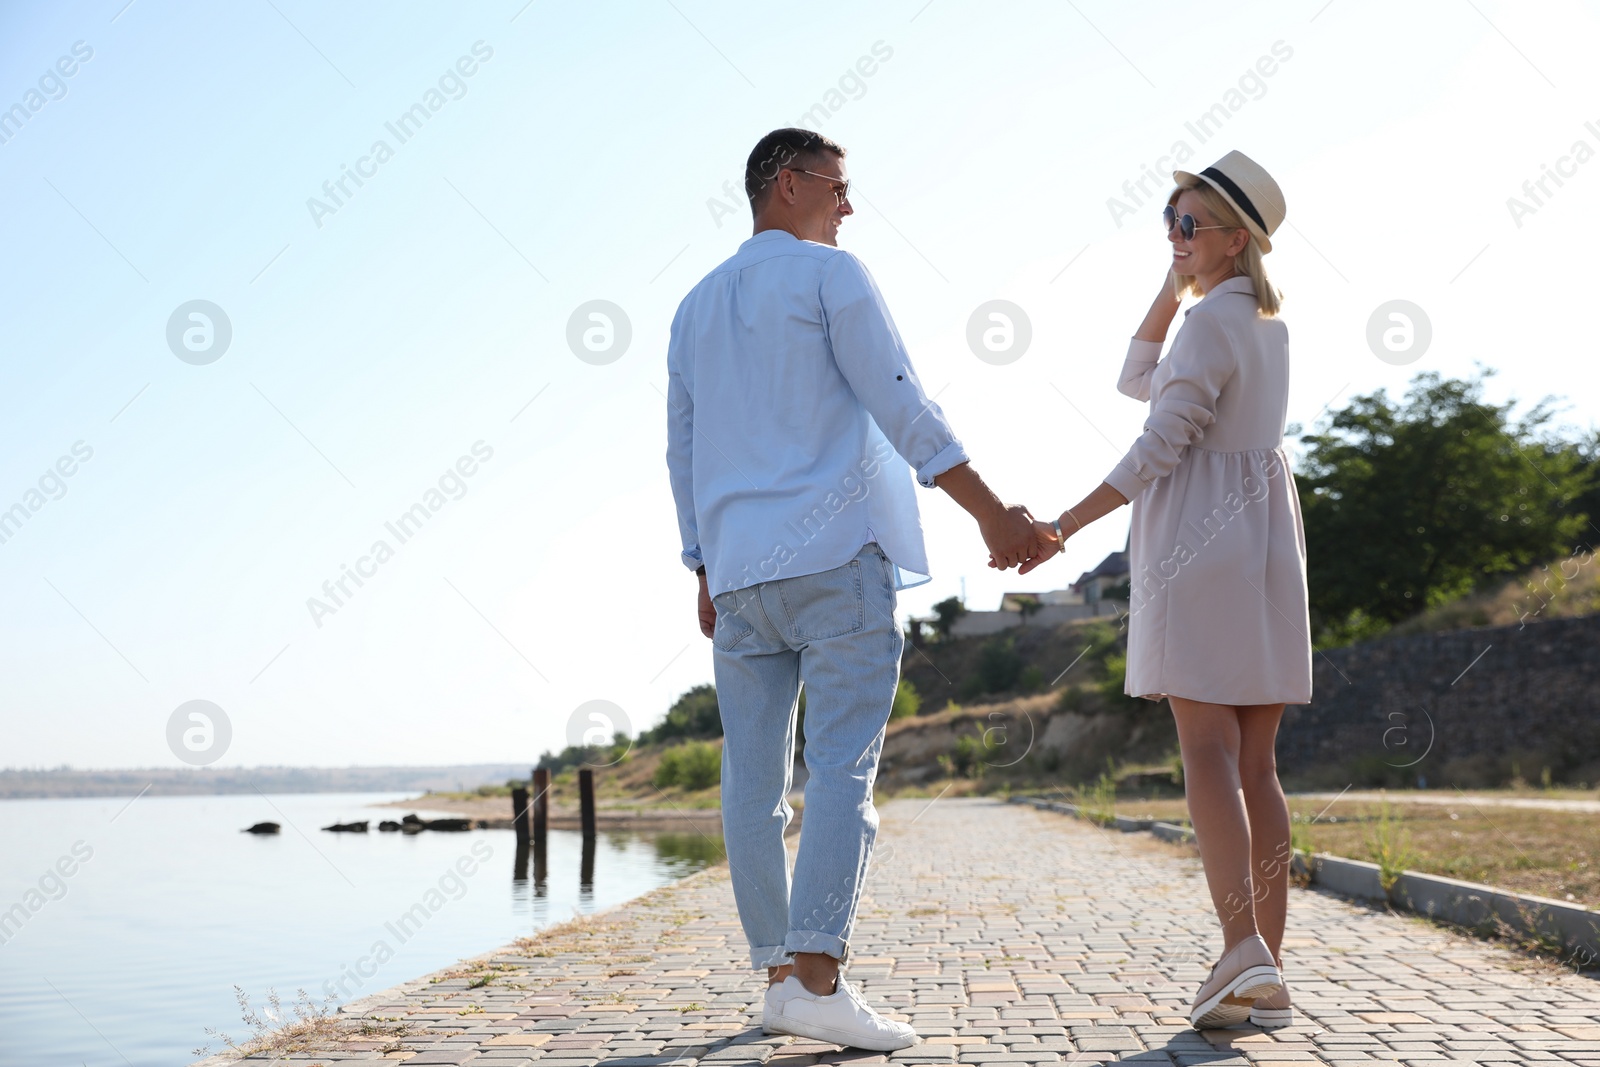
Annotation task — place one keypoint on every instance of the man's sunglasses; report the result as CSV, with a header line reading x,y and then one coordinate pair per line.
x,y
1185,223
841,189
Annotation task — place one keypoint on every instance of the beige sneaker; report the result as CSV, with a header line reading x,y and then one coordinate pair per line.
x,y
1245,973
1273,1012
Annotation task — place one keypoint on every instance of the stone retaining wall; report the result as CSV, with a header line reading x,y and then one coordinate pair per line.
x,y
1458,707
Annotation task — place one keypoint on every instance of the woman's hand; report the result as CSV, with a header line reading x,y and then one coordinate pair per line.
x,y
1045,545
1169,289
1049,545
1163,309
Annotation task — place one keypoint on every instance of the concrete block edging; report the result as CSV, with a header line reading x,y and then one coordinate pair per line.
x,y
1569,929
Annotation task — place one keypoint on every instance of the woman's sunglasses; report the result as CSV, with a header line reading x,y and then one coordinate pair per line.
x,y
1185,223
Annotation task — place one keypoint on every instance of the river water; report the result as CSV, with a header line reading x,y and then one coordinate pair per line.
x,y
125,926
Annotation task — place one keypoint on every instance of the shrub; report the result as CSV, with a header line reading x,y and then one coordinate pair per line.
x,y
972,754
1116,666
999,666
1071,699
690,766
907,701
962,761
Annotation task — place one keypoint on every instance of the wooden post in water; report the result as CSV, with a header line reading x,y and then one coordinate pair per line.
x,y
519,815
541,806
586,800
586,871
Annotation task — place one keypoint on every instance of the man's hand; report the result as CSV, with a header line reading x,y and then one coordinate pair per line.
x,y
708,610
1044,546
1009,535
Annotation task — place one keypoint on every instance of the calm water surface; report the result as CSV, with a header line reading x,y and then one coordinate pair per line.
x,y
125,926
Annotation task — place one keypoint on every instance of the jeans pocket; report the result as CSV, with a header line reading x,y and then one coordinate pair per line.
x,y
731,626
824,605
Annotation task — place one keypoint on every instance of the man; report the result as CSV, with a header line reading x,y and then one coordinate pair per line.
x,y
793,411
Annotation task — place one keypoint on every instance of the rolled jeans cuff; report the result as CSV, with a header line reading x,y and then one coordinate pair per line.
x,y
769,956
816,941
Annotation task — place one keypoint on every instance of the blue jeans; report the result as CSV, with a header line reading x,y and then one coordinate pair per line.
x,y
836,632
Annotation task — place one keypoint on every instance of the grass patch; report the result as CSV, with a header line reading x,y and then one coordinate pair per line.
x,y
1553,854
277,1031
1389,845
1098,801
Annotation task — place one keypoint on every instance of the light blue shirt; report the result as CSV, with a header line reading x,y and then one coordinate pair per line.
x,y
792,414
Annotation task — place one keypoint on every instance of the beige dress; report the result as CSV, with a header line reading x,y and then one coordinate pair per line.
x,y
1217,551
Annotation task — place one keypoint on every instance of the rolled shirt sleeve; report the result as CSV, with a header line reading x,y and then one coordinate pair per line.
x,y
873,359
1199,365
680,439
1137,368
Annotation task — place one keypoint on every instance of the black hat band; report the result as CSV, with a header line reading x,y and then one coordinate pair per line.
x,y
1237,193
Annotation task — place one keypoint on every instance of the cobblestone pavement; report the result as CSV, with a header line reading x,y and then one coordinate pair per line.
x,y
1007,936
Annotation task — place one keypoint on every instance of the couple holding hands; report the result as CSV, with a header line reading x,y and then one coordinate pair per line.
x,y
788,384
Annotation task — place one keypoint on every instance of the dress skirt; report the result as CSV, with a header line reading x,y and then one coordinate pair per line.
x,y
1217,587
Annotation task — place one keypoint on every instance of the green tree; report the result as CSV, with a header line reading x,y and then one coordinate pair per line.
x,y
1411,504
948,610
694,714
1028,606
1587,502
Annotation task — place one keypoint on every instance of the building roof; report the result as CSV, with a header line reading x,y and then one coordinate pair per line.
x,y
1113,566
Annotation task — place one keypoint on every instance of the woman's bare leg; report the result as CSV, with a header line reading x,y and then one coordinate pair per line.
x,y
1209,737
1269,818
1269,826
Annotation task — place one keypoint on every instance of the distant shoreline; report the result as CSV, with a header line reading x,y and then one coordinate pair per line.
x,y
65,782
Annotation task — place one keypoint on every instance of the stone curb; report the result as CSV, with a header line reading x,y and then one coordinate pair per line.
x,y
1168,831
1482,909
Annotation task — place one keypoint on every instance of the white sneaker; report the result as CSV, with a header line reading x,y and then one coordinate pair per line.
x,y
841,1018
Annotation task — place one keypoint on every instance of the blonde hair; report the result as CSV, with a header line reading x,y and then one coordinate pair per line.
x,y
1247,263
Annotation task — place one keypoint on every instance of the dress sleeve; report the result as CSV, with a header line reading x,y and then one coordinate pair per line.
x,y
1201,362
1137,368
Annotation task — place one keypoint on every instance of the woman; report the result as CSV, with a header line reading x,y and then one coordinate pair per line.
x,y
1218,611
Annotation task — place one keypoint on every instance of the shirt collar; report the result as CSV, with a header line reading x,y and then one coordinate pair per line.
x,y
767,237
1239,283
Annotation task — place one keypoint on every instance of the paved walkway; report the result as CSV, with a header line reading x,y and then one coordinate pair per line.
x,y
1008,936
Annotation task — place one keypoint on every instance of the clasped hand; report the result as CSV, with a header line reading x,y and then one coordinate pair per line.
x,y
1016,539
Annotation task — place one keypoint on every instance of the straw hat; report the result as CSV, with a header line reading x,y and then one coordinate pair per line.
x,y
1244,184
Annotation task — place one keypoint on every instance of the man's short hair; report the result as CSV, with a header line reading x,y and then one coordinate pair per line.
x,y
790,147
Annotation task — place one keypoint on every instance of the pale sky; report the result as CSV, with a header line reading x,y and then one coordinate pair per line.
x,y
378,339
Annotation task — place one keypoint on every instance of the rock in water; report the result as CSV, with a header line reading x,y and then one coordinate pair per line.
x,y
388,826
415,823
262,828
347,828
